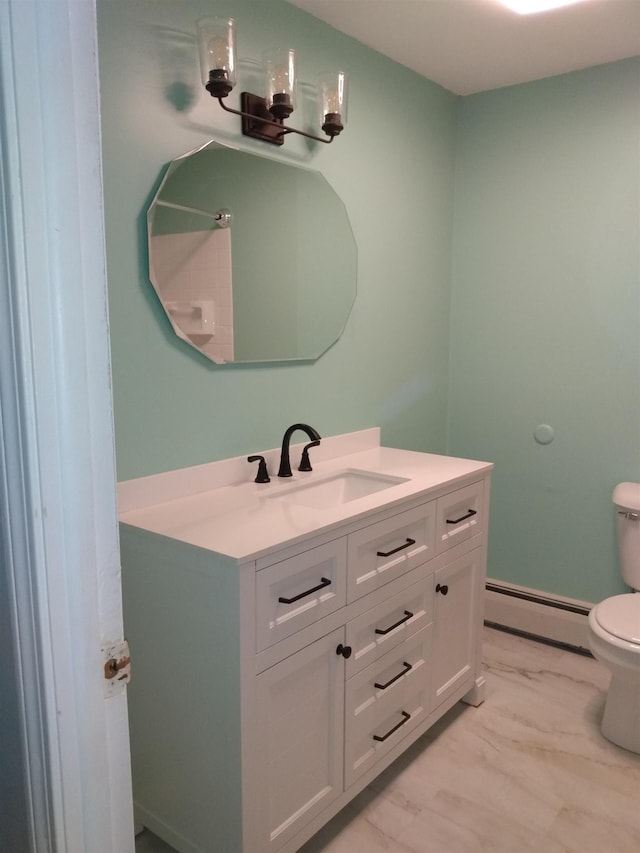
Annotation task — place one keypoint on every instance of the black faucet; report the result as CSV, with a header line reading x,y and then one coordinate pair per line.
x,y
285,463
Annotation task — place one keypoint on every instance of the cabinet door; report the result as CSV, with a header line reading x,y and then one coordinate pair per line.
x,y
455,620
301,738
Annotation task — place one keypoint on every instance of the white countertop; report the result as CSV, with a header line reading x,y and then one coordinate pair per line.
x,y
245,520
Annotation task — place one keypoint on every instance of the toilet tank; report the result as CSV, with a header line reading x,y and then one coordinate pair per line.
x,y
626,497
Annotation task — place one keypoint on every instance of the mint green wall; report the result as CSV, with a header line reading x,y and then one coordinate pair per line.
x,y
546,318
545,296
393,168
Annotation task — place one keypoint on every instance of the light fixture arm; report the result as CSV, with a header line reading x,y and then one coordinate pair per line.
x,y
283,128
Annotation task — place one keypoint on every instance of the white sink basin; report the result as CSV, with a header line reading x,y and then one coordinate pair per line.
x,y
339,488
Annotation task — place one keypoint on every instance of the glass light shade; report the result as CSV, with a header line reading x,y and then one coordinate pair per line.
x,y
217,46
332,90
281,82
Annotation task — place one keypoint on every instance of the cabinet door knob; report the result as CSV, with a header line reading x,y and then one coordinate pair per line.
x,y
345,651
443,588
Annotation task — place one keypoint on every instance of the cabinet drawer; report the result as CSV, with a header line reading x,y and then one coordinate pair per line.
x,y
459,516
385,701
375,632
384,551
296,592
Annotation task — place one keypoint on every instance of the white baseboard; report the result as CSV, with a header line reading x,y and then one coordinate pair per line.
x,y
531,611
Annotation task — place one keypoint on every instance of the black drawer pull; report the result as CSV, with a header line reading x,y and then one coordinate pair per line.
x,y
462,517
404,719
442,587
407,667
384,631
324,582
407,544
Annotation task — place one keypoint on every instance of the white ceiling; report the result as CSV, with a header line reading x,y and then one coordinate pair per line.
x,y
473,45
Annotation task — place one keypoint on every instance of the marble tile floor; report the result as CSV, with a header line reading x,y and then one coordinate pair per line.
x,y
526,771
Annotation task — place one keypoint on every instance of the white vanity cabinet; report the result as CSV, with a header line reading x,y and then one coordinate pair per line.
x,y
267,693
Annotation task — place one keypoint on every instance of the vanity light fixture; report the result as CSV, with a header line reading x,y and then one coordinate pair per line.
x,y
264,117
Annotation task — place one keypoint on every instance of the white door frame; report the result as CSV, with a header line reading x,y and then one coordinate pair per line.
x,y
57,474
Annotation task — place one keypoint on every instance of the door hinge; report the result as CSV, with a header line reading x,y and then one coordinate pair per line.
x,y
117,667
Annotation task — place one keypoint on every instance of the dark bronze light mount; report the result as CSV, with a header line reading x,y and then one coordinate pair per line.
x,y
264,117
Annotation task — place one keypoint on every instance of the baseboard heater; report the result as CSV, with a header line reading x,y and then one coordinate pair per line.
x,y
536,615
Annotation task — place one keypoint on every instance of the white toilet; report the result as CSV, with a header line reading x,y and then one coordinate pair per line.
x,y
614,628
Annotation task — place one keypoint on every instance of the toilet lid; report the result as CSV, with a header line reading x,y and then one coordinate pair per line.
x,y
620,616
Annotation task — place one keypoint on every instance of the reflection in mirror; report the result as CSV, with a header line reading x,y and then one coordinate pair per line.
x,y
252,259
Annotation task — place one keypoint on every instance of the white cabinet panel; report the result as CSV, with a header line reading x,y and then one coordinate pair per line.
x,y
300,733
456,623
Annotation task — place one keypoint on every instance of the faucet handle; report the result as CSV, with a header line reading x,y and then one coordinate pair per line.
x,y
263,475
305,464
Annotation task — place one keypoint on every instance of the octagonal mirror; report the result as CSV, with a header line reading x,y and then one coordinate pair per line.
x,y
253,260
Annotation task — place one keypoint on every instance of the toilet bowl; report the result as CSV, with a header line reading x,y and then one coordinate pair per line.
x,y
614,638
614,628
